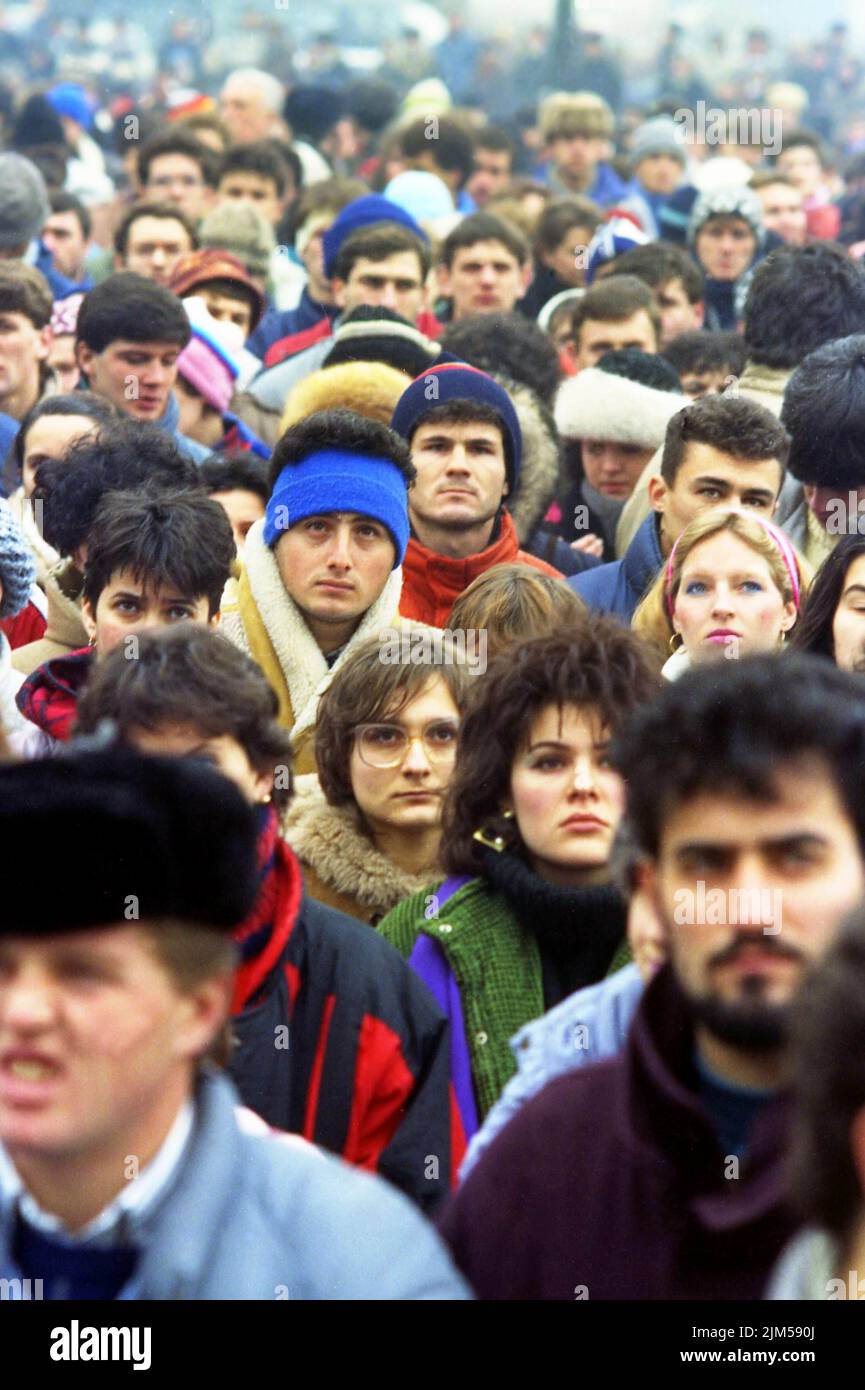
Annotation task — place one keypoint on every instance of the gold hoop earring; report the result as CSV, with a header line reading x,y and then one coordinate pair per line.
x,y
676,641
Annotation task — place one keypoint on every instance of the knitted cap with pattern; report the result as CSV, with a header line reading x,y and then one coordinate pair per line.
x,y
17,566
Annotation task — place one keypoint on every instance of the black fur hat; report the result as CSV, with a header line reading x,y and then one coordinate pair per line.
x,y
824,411
109,837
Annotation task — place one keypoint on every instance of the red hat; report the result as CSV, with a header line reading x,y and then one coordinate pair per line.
x,y
196,268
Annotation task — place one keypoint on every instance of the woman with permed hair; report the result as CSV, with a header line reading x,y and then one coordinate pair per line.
x,y
528,913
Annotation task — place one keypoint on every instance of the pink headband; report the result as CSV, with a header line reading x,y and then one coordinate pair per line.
x,y
787,552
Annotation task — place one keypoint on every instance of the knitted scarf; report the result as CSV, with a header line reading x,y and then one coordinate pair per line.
x,y
261,937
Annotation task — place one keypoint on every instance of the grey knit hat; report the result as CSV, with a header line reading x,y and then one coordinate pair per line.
x,y
661,135
239,228
17,566
24,205
731,201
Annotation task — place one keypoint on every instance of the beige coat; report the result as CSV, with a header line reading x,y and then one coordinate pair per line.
x,y
65,630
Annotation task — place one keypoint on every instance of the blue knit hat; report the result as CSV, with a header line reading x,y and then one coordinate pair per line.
x,y
457,381
70,99
17,566
372,207
336,480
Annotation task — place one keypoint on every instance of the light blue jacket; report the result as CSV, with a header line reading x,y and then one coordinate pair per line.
x,y
586,1027
257,1217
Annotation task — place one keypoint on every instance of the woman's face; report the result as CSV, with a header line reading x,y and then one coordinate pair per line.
x,y
50,437
408,794
567,800
728,603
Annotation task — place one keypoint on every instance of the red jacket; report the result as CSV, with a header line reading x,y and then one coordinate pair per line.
x,y
431,583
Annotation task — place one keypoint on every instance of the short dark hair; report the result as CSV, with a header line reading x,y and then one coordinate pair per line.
x,y
61,201
495,137
732,424
657,264
179,538
483,226
178,141
559,215
800,298
223,472
367,690
130,306
24,290
600,665
827,1035
83,403
325,195
125,455
807,138
700,351
729,728
151,209
344,430
190,674
376,243
813,632
613,300
824,410
507,343
259,157
453,146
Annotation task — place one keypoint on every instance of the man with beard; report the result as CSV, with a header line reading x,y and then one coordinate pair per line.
x,y
661,1173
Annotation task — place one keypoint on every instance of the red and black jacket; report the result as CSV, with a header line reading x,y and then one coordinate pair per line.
x,y
49,695
338,1040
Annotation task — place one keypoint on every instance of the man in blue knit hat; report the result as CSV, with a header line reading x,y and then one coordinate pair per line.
x,y
466,448
322,571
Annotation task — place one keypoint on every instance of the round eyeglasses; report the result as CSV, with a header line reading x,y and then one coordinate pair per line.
x,y
386,745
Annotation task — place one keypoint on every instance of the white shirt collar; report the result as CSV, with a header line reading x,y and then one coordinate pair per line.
x,y
137,1196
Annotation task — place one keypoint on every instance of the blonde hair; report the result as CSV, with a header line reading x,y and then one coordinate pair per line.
x,y
653,618
514,603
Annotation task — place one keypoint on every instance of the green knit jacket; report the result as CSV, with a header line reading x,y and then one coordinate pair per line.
x,y
497,966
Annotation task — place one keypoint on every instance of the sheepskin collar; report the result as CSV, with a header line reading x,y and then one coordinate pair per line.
x,y
301,660
539,475
332,841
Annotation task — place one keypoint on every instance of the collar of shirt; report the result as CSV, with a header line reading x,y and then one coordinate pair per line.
x,y
137,1197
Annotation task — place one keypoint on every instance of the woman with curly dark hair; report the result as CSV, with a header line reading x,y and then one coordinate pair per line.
x,y
528,913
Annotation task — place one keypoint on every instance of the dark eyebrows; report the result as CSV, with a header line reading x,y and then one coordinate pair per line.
x,y
796,837
853,589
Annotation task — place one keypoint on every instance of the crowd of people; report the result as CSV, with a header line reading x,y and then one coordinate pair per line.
x,y
432,639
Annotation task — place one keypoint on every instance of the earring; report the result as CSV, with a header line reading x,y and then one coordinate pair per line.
x,y
675,641
92,641
495,842
508,815
264,800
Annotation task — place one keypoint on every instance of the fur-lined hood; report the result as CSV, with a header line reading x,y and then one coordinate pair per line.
x,y
539,473
331,841
600,405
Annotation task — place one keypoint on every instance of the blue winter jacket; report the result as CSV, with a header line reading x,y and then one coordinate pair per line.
x,y
253,1216
618,587
586,1027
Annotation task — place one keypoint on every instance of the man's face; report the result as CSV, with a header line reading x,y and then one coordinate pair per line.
x,y
244,112
67,243
709,383
94,1036
783,212
50,437
241,186
136,377
678,314
659,173
829,504
395,283
793,865
177,178
613,469
243,509
225,307
576,155
154,246
461,474
492,174
725,247
483,279
848,624
707,478
335,566
127,605
63,362
802,165
22,347
597,336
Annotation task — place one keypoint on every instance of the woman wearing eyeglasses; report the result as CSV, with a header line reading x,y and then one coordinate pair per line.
x,y
528,913
367,829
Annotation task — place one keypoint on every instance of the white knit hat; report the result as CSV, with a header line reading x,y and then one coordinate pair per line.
x,y
598,405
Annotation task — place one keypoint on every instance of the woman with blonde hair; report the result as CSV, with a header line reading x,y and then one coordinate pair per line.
x,y
732,586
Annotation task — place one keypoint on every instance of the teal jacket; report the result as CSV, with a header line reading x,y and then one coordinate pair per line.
x,y
497,966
